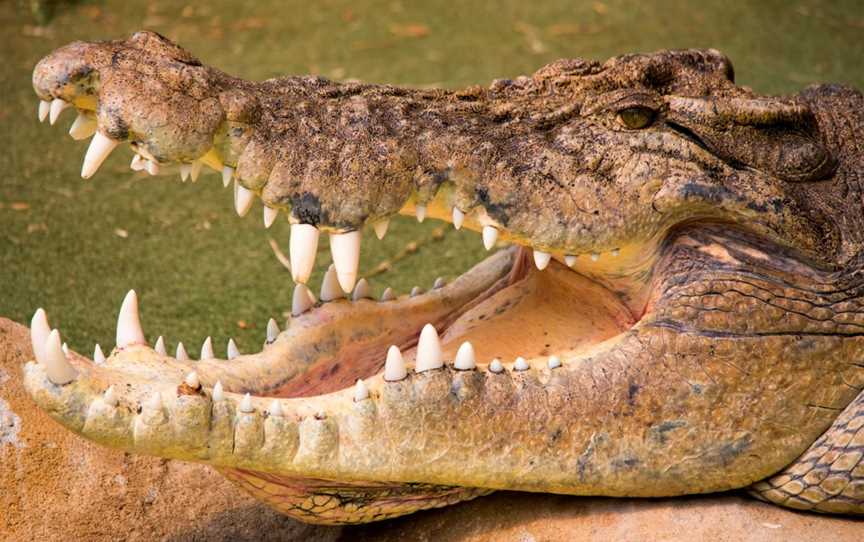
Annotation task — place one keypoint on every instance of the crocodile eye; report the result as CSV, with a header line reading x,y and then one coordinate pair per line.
x,y
634,118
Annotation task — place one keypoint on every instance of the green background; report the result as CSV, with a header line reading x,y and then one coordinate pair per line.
x,y
199,269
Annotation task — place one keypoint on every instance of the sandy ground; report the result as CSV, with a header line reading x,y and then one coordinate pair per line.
x,y
57,486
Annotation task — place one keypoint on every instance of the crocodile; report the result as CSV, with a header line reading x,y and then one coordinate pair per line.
x,y
674,304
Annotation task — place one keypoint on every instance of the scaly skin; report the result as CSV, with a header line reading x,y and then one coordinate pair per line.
x,y
712,338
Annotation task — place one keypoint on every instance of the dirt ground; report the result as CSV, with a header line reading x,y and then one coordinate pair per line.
x,y
57,486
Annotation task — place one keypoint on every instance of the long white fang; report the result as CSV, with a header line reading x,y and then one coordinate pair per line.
x,y
44,109
429,354
272,330
394,367
109,397
243,199
361,291
554,362
246,405
302,300
570,260
232,350
303,248
415,291
195,170
458,218
217,393
439,283
345,248
185,171
388,294
490,236
421,212
270,214
65,348
380,228
227,174
330,288
98,355
99,149
207,349
39,331
180,353
541,259
160,346
361,391
138,163
58,105
154,402
496,366
465,360
192,380
152,167
83,127
57,367
520,365
275,408
128,323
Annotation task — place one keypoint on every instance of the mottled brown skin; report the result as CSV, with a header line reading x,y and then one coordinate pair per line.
x,y
723,347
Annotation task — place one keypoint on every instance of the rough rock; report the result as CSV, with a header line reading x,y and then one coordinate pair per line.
x,y
57,486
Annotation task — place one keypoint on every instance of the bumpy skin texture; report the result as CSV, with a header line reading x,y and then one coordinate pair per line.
x,y
724,341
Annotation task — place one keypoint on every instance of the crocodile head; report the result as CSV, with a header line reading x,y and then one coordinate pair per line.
x,y
689,323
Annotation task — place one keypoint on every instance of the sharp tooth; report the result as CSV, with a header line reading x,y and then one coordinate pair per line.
x,y
154,402
98,355
192,380
301,301
496,366
520,365
554,362
99,149
128,324
415,291
275,408
302,250
380,228
218,394
270,214
207,349
58,105
490,236
458,218
272,331
57,368
65,349
439,283
243,199
429,354
138,163
330,288
152,167
361,291
44,109
570,260
185,170
246,405
465,357
345,248
39,331
421,212
388,295
110,398
181,354
195,170
83,127
394,367
595,256
227,174
361,391
616,251
541,259
233,351
160,346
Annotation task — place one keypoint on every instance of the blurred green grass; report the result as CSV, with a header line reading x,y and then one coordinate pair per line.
x,y
199,269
